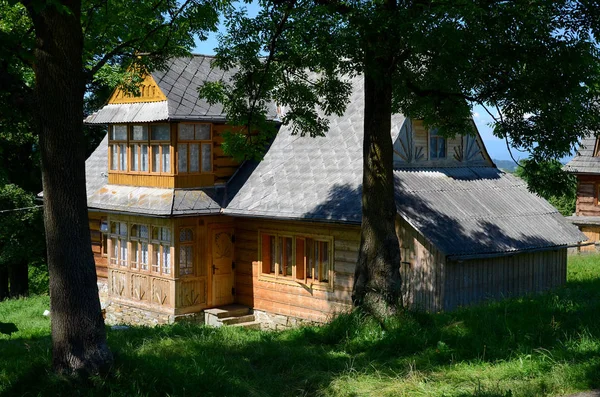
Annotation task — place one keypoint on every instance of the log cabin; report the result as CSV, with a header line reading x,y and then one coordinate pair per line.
x,y
586,167
181,231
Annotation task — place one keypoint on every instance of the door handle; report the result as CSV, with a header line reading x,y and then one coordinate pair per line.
x,y
214,268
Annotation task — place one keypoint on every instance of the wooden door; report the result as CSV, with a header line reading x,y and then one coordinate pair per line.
x,y
221,242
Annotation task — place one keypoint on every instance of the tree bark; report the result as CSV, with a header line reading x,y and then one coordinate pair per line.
x,y
377,284
19,279
4,292
78,333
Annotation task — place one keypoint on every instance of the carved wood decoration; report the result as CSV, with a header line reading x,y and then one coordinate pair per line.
x,y
161,291
148,92
140,287
118,283
191,293
405,150
469,150
223,245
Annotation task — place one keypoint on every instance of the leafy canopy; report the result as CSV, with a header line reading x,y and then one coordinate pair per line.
x,y
533,65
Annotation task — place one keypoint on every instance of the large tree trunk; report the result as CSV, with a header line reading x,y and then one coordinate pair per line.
x,y
4,292
377,286
78,334
19,279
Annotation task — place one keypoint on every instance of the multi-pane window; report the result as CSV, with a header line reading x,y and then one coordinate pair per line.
x,y
118,237
160,137
186,252
194,148
298,258
143,148
161,250
437,145
139,247
118,147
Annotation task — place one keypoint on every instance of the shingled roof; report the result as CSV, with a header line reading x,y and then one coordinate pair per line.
x,y
465,211
584,161
143,200
179,82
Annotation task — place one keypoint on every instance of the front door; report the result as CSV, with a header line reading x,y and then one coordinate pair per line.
x,y
222,265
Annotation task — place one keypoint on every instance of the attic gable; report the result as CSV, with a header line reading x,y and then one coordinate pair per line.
x,y
415,146
149,91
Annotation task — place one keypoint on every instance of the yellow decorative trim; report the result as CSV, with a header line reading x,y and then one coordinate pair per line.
x,y
149,92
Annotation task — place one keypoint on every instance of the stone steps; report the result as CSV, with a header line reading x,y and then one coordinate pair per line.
x,y
232,315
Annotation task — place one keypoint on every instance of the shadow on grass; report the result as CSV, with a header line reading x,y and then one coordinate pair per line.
x,y
559,329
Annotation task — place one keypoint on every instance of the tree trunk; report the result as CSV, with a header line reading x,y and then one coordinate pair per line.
x,y
78,333
3,283
377,277
19,279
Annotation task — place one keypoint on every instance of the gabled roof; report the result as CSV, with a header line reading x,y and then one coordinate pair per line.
x,y
179,82
584,161
479,210
143,200
462,210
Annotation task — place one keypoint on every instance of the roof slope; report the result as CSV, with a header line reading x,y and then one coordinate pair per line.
x,y
179,81
143,200
584,161
462,210
309,178
479,210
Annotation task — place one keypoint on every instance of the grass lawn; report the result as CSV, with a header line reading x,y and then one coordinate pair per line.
x,y
533,346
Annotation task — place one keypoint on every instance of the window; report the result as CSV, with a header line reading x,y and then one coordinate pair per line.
x,y
296,258
104,231
186,252
148,145
118,237
118,147
139,247
437,145
161,250
194,148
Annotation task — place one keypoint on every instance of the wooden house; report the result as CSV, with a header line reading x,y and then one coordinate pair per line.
x,y
181,230
586,167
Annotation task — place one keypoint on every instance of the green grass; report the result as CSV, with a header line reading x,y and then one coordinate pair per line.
x,y
534,346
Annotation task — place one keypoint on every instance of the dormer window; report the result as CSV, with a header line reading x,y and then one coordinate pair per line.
x,y
140,148
437,145
194,148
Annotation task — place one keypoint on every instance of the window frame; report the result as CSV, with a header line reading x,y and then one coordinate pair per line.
x,y
162,244
434,136
119,238
135,147
139,241
297,263
187,243
188,142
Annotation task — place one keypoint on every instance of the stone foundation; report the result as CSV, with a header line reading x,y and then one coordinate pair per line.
x,y
276,322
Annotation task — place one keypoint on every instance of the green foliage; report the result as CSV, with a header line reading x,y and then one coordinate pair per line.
x,y
21,231
548,179
541,345
534,63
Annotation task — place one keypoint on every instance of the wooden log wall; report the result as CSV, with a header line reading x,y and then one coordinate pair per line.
x,y
587,195
475,280
593,234
98,244
294,298
421,269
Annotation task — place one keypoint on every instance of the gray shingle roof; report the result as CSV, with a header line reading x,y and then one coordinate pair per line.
x,y
462,210
179,82
584,161
584,220
479,210
143,200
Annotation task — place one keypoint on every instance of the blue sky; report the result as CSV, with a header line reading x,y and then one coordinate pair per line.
x,y
496,147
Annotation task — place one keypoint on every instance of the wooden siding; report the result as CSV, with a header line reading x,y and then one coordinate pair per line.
x,y
223,166
587,195
294,298
475,280
593,234
421,269
98,248
149,91
412,149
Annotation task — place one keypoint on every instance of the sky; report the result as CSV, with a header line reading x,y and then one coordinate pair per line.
x,y
496,147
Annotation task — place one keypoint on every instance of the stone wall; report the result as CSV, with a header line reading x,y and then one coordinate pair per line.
x,y
276,322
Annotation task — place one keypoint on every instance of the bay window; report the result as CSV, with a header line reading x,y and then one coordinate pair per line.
x,y
140,148
161,250
118,147
194,148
